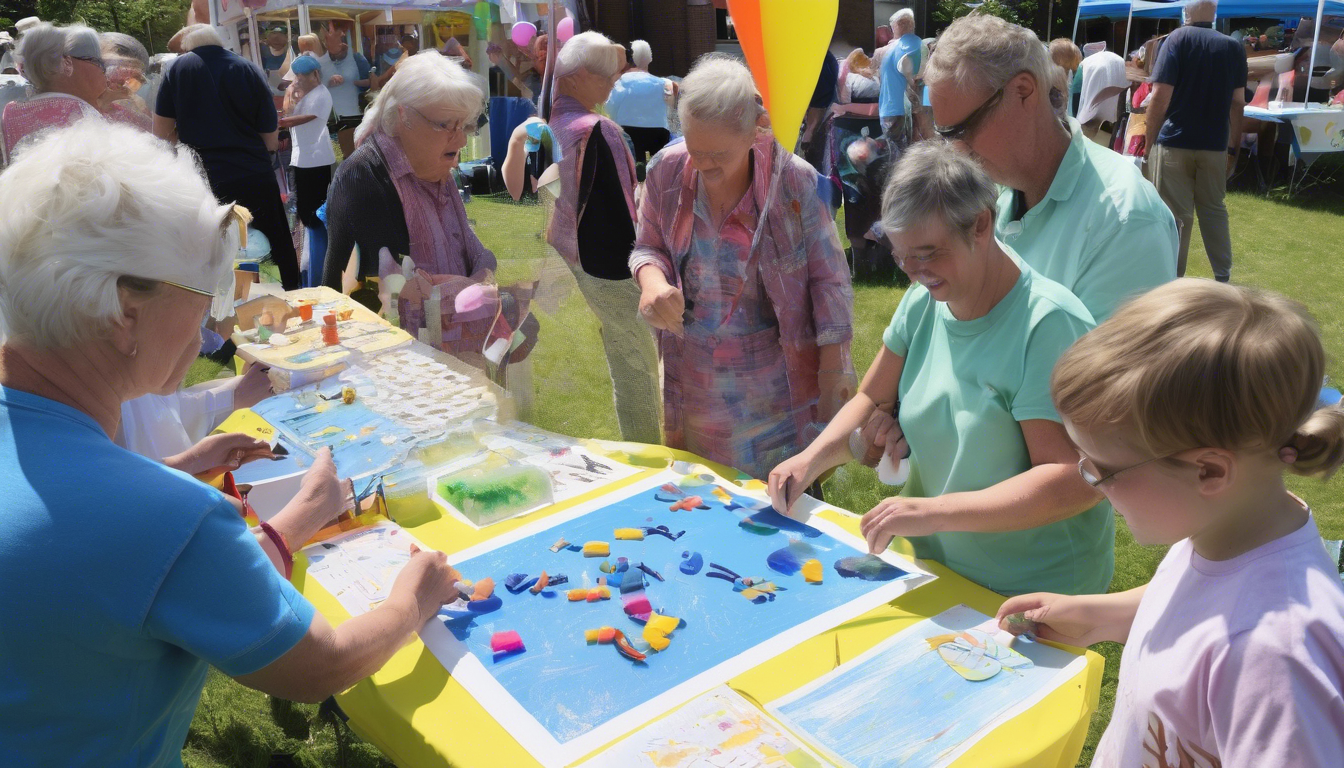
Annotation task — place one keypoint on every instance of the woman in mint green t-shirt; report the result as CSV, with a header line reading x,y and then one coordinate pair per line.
x,y
993,491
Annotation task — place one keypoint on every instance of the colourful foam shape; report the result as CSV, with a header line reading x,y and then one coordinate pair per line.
x,y
599,593
688,504
542,581
558,579
812,571
597,549
627,650
661,623
606,567
691,562
517,582
483,589
767,521
632,581
575,595
868,568
487,605
637,604
506,642
628,534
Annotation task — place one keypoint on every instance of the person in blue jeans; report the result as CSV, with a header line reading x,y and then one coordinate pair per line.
x,y
127,578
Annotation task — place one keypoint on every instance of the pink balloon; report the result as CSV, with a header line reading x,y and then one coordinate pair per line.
x,y
522,33
565,29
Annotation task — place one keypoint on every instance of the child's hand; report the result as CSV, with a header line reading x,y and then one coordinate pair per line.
x,y
1061,618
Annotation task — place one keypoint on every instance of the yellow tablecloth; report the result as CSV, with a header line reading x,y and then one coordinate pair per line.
x,y
418,715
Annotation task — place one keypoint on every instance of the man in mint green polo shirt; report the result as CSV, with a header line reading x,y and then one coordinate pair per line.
x,y
1075,211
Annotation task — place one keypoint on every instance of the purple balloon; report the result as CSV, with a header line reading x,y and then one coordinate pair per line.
x,y
522,33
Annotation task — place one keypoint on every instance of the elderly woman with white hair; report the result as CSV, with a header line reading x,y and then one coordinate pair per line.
x,y
1077,212
993,491
66,69
638,103
593,225
742,274
109,260
394,198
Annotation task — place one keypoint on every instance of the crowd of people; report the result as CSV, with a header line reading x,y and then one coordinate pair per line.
x,y
1046,368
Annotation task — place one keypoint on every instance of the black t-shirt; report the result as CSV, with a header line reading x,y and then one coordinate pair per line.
x,y
824,94
222,106
1204,67
606,234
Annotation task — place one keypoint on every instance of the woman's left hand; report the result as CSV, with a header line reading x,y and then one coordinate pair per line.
x,y
897,516
218,454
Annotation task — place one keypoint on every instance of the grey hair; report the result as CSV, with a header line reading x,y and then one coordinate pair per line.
x,y
719,89
933,178
199,36
641,53
424,80
1201,9
125,46
984,52
591,51
101,202
42,50
904,17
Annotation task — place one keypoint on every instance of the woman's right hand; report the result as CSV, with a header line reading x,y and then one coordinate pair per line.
x,y
1064,619
788,482
660,303
426,582
882,434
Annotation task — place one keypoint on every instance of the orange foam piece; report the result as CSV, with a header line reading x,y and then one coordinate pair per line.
x,y
483,589
600,635
599,593
542,581
575,595
689,504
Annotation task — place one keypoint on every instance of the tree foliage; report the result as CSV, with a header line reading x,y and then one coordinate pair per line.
x,y
1022,12
152,22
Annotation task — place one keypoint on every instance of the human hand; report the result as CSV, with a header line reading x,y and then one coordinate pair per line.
x,y
217,454
321,499
335,81
897,516
427,583
882,434
661,304
253,387
788,481
1058,618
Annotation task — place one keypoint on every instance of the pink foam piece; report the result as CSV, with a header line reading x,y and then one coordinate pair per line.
x,y
506,642
637,604
470,298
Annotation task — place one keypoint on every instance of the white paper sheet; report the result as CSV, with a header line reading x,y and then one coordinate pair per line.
x,y
358,567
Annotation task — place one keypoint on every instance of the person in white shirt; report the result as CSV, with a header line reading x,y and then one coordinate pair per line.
x,y
312,155
346,74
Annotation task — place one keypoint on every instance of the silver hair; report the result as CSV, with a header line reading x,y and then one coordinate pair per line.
x,y
591,51
199,36
719,89
125,46
102,201
984,52
422,81
933,178
1201,9
904,17
42,50
641,53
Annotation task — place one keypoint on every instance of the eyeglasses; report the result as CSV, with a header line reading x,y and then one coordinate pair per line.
x,y
1090,476
920,257
963,129
94,60
189,289
467,127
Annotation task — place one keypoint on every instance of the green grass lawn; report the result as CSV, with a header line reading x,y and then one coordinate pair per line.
x,y
1284,247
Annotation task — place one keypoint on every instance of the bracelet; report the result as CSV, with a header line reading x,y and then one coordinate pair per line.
x,y
278,540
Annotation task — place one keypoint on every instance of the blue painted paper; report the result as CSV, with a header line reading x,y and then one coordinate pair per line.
x,y
900,704
571,687
355,453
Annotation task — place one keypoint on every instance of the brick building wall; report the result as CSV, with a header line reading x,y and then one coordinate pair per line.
x,y
677,32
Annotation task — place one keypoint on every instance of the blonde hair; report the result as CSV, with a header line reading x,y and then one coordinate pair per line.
x,y
1196,363
1065,53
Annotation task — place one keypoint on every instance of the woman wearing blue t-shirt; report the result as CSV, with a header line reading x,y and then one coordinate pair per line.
x,y
993,490
126,579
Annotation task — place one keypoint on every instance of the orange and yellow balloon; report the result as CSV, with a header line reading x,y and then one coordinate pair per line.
x,y
784,41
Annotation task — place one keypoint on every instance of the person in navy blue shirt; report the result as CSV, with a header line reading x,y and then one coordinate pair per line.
x,y
1194,129
127,579
219,104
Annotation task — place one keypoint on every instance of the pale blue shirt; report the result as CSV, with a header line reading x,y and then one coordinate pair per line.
x,y
638,101
124,582
1102,231
891,99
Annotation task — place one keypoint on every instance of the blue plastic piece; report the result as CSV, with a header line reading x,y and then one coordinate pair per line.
x,y
517,582
488,605
691,562
632,581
